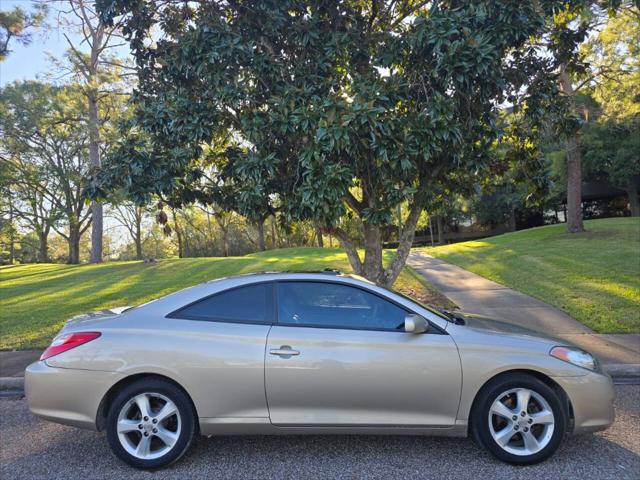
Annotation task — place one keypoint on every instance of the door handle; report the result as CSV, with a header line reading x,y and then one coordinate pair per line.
x,y
284,351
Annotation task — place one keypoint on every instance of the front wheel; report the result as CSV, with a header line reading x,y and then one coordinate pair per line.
x,y
151,424
519,419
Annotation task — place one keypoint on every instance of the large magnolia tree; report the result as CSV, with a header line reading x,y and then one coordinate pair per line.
x,y
321,109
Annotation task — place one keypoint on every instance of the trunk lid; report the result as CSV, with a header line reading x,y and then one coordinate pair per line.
x,y
85,320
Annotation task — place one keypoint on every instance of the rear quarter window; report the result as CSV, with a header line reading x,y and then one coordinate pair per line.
x,y
245,304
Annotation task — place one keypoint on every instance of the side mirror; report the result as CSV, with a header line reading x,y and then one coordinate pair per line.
x,y
414,323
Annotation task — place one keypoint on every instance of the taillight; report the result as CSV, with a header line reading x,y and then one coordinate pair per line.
x,y
67,342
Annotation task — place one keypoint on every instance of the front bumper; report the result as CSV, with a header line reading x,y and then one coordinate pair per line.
x,y
591,398
66,395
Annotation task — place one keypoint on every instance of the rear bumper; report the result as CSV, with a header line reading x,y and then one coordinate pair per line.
x,y
65,395
591,398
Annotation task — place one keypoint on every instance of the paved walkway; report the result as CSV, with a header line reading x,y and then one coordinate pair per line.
x,y
12,364
475,294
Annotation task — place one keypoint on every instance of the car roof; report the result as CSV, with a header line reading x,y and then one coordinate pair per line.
x,y
169,303
275,274
187,295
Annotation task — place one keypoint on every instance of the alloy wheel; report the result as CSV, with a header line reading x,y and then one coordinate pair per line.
x,y
148,426
521,421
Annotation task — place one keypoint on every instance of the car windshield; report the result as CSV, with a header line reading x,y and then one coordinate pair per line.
x,y
442,315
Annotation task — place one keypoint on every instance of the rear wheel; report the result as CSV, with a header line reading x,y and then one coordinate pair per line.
x,y
519,419
151,424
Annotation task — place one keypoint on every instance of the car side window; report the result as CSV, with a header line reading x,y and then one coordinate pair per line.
x,y
324,304
247,304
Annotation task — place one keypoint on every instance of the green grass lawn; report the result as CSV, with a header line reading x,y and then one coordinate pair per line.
x,y
35,300
593,276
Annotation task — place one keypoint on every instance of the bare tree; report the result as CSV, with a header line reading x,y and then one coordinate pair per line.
x,y
131,217
225,220
32,207
99,71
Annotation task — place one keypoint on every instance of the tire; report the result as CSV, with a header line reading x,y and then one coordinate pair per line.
x,y
508,439
166,434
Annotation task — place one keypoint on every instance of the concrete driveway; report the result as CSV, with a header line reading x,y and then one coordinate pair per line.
x,y
32,448
475,294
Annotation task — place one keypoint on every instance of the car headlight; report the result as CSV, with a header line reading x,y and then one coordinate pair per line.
x,y
574,356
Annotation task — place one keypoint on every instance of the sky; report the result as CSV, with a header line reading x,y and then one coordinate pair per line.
x,y
28,62
32,61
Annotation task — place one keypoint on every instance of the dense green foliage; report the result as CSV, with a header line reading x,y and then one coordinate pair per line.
x,y
593,276
607,110
37,299
600,51
611,136
43,148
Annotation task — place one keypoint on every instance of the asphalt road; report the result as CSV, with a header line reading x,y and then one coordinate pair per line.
x,y
31,448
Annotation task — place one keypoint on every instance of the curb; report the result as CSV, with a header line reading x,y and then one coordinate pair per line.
x,y
619,371
623,370
12,384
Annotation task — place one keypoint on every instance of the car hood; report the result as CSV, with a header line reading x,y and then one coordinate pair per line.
x,y
487,324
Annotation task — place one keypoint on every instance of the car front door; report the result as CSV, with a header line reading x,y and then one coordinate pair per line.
x,y
339,356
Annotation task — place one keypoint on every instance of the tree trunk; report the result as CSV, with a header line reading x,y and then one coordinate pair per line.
x,y
440,223
399,215
511,224
319,235
574,186
350,249
186,248
94,162
138,241
43,253
372,266
219,218
574,163
180,247
138,248
404,242
260,226
96,232
225,243
210,237
178,234
430,229
12,242
74,244
634,202
274,239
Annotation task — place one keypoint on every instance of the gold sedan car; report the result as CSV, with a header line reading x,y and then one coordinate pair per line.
x,y
312,353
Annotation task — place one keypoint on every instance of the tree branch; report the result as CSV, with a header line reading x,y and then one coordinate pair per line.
x,y
349,247
405,241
